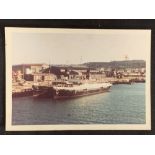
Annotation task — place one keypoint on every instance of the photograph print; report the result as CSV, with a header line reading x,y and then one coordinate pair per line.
x,y
77,79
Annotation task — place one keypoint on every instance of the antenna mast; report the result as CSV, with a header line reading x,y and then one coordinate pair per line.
x,y
81,60
126,57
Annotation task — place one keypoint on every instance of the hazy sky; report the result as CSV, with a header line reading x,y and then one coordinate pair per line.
x,y
75,48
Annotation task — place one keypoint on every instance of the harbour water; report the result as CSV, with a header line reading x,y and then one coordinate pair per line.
x,y
124,104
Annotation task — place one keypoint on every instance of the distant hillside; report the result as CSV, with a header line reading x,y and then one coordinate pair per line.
x,y
117,64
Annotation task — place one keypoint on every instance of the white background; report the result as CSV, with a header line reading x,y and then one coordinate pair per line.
x,y
77,9
77,145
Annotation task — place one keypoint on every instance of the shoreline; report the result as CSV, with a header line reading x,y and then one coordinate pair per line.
x,y
27,90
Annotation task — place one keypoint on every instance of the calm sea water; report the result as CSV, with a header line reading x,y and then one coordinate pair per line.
x,y
124,104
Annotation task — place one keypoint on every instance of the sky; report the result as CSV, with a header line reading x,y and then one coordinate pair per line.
x,y
76,48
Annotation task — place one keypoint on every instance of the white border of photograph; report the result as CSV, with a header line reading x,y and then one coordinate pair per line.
x,y
8,49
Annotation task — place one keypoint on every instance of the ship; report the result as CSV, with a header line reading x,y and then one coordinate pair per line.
x,y
67,90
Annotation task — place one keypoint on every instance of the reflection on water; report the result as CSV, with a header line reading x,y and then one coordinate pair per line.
x,y
124,104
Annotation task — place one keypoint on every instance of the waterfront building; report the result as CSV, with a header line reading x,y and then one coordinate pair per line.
x,y
40,77
29,68
43,77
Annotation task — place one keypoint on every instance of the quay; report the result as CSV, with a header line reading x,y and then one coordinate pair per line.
x,y
22,93
126,80
21,90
